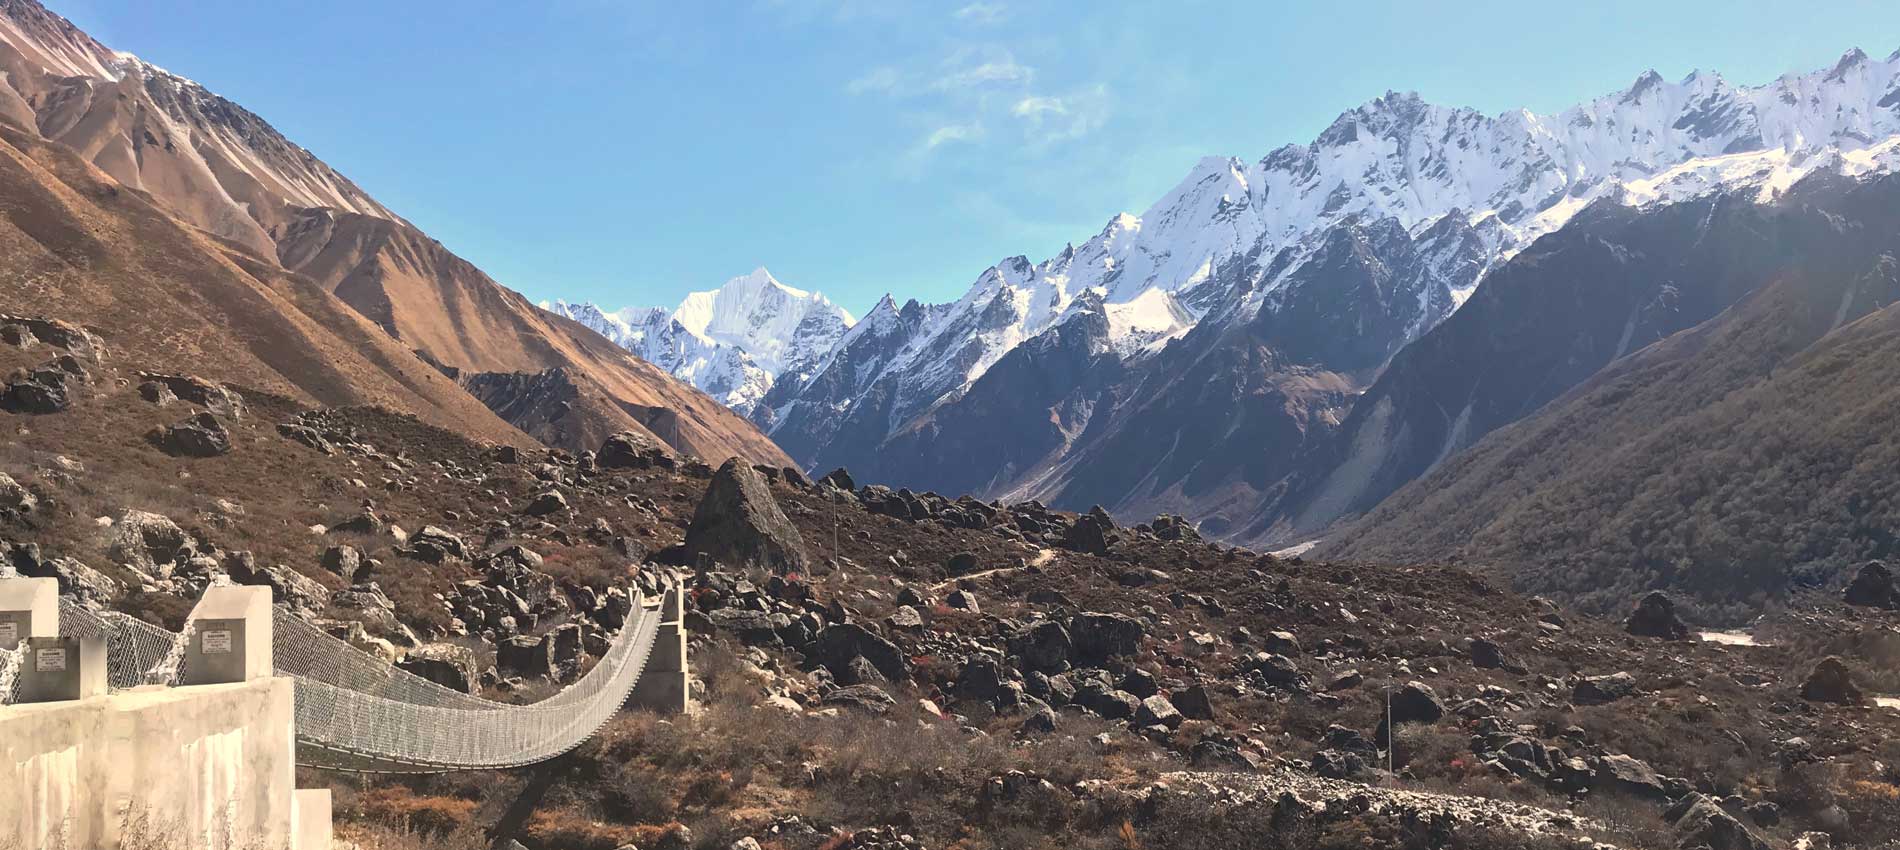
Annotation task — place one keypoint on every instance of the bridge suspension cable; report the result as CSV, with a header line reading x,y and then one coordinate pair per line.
x,y
357,712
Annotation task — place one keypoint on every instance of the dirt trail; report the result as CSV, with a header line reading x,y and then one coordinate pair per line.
x,y
1247,787
1042,559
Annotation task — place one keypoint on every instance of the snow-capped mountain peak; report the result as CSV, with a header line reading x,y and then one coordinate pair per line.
x,y
1467,189
732,342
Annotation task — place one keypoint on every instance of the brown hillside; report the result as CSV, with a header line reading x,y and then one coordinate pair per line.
x,y
217,166
440,304
75,245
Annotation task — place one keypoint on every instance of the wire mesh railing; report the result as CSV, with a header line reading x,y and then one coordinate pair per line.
x,y
357,712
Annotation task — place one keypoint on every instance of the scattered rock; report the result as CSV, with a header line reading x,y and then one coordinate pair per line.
x,y
1599,690
306,435
550,502
1092,533
869,699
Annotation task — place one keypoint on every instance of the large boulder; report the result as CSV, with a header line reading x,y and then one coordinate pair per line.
x,y
150,543
526,656
1655,617
435,546
1416,702
76,580
343,560
1873,587
1158,711
550,502
1830,681
15,498
1098,637
869,699
1044,646
50,388
446,664
1174,527
210,396
201,435
1600,690
838,644
1631,776
1092,533
1701,822
629,450
738,523
287,586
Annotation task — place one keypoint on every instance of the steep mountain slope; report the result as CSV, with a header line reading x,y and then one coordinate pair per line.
x,y
585,387
1737,460
1465,191
219,167
75,244
732,343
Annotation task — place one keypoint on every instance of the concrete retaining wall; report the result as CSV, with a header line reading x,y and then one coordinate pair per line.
x,y
210,766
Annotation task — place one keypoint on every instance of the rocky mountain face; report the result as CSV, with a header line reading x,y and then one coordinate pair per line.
x,y
1736,453
216,166
734,342
1300,275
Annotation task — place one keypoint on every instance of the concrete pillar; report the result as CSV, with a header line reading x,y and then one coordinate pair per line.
x,y
230,637
29,607
310,827
664,685
62,668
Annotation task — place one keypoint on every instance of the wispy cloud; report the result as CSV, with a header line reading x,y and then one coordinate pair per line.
x,y
952,133
877,80
977,92
1001,72
983,14
1048,119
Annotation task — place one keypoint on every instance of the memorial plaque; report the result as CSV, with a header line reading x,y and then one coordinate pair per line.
x,y
217,642
50,660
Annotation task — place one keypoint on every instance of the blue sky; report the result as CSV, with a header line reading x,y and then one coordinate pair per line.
x,y
628,153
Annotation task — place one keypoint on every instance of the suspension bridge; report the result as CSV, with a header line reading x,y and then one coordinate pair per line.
x,y
357,712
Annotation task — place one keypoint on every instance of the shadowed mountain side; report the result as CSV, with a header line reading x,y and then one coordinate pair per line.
x,y
1747,457
1616,279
